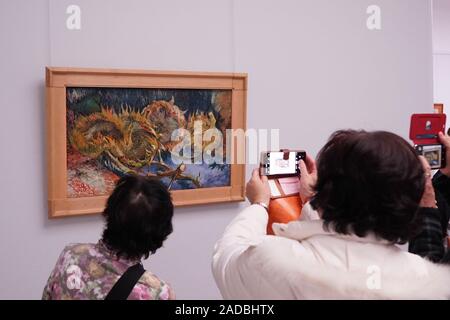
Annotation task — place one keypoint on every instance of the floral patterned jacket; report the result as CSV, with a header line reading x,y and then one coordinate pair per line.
x,y
89,271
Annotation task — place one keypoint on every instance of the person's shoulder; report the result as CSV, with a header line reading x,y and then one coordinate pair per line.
x,y
160,288
79,247
76,249
427,278
151,280
275,252
70,257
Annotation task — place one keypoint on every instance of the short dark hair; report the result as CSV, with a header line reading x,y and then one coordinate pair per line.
x,y
369,182
138,217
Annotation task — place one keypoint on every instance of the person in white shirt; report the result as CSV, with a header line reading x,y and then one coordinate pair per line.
x,y
360,201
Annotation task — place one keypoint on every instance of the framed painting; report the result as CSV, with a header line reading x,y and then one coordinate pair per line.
x,y
103,124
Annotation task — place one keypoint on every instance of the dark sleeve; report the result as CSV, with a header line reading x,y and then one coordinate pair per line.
x,y
441,184
446,258
429,243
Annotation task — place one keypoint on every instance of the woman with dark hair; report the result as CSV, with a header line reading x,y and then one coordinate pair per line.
x,y
369,182
365,193
138,218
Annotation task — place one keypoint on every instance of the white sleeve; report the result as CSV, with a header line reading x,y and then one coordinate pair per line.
x,y
247,229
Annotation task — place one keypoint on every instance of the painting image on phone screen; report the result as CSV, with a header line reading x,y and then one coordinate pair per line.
x,y
433,155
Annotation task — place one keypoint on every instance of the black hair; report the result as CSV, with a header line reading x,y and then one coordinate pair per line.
x,y
369,182
138,217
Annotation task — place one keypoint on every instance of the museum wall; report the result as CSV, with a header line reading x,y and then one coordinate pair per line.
x,y
441,52
313,67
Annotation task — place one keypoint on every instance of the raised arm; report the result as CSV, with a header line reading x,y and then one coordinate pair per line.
x,y
247,229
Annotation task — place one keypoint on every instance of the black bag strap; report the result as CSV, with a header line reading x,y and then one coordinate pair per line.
x,y
123,287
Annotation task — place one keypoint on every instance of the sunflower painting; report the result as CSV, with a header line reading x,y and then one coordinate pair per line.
x,y
113,132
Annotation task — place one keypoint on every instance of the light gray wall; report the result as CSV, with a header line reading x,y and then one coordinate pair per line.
x,y
313,68
441,26
441,50
442,80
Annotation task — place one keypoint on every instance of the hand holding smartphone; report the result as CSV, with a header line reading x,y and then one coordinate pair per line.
x,y
424,132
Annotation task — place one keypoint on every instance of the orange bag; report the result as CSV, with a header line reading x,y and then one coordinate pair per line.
x,y
285,204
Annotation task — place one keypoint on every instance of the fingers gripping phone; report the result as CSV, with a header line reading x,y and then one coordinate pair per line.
x,y
423,132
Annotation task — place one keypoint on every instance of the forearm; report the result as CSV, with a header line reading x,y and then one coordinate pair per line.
x,y
247,229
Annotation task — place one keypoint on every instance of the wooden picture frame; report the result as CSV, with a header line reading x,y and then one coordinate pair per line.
x,y
60,80
438,108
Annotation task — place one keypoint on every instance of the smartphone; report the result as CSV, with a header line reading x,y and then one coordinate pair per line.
x,y
434,153
281,163
424,131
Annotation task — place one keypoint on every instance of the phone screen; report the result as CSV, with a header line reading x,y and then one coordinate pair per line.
x,y
278,165
432,153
